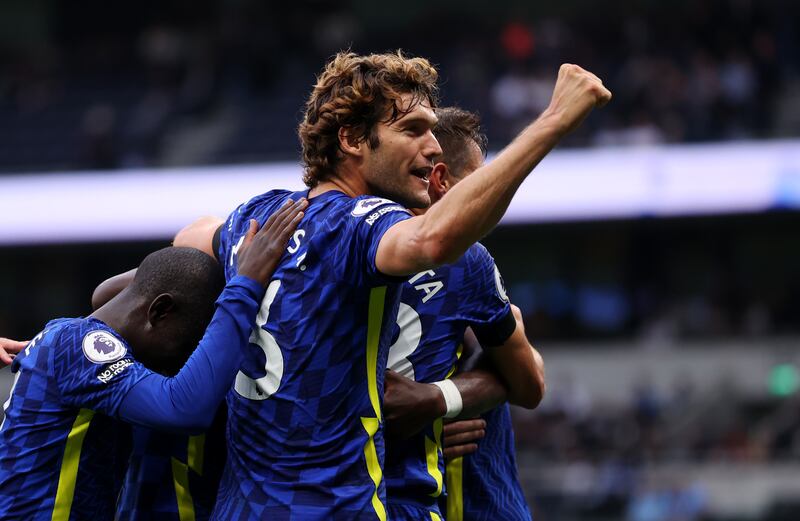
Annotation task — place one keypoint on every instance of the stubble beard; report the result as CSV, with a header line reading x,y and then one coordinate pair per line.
x,y
391,184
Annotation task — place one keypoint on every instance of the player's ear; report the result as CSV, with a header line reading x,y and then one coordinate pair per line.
x,y
349,144
160,308
439,181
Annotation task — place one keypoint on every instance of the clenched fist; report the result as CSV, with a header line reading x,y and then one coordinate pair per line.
x,y
576,93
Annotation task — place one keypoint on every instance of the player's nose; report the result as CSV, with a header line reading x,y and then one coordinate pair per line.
x,y
431,148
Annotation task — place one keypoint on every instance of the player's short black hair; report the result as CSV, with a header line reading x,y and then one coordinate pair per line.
x,y
193,278
457,127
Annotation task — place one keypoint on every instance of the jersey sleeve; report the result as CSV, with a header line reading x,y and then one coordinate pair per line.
x,y
225,240
94,369
369,220
485,308
230,235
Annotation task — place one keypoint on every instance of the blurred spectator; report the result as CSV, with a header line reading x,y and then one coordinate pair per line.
x,y
100,146
690,71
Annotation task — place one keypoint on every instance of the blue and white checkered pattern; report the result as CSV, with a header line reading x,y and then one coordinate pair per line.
x,y
62,455
169,473
436,308
491,488
305,429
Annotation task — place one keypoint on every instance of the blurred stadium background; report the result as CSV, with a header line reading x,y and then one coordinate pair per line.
x,y
655,254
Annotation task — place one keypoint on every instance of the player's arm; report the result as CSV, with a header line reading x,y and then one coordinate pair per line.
x,y
188,401
483,389
409,406
9,349
200,234
111,287
512,370
480,386
475,205
520,366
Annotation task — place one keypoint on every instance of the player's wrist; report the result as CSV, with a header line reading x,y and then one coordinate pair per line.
x,y
551,126
451,396
435,402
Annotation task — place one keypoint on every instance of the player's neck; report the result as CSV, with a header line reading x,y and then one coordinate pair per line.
x,y
116,313
345,178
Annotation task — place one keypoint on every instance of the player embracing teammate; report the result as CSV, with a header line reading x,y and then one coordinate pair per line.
x,y
305,427
305,431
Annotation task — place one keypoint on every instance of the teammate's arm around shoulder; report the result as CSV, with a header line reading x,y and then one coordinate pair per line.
x,y
9,348
475,205
520,365
111,287
262,249
200,234
188,401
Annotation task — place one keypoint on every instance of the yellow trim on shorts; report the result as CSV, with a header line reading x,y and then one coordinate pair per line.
x,y
180,478
377,299
454,475
435,517
65,492
373,465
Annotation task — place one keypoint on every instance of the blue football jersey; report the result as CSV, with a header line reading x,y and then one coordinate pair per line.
x,y
484,486
173,477
62,453
436,308
305,437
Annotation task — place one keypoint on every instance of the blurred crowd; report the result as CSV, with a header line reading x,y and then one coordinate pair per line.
x,y
652,428
91,85
635,461
656,281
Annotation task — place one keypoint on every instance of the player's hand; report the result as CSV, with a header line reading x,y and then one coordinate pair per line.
x,y
576,93
262,249
9,348
409,406
461,437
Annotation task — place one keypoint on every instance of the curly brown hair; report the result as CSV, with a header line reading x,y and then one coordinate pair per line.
x,y
358,92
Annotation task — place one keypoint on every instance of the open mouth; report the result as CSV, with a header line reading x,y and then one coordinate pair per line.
x,y
422,172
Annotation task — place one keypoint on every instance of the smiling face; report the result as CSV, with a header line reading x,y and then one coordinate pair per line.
x,y
399,166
